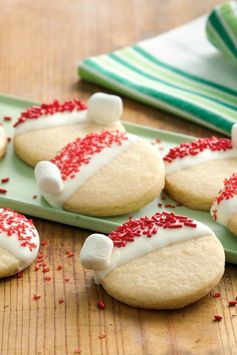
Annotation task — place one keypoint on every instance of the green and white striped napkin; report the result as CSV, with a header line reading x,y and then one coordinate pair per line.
x,y
179,71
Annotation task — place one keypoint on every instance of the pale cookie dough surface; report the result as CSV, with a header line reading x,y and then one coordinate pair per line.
x,y
44,144
9,264
170,277
197,187
126,184
3,141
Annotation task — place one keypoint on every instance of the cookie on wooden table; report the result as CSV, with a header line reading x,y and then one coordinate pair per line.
x,y
162,262
224,208
19,242
195,171
42,131
103,174
3,141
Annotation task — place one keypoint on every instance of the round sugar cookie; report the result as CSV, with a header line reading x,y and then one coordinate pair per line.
x,y
160,262
195,171
103,174
224,208
42,131
19,242
3,141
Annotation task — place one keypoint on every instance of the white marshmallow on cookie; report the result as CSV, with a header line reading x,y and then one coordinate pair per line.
x,y
41,131
19,242
132,267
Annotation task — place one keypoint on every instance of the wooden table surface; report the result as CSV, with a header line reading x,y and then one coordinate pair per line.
x,y
40,44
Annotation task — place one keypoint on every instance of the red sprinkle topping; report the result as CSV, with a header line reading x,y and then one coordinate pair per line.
x,y
217,318
46,269
7,118
59,267
3,191
217,295
4,180
213,143
61,300
15,223
37,267
47,278
100,304
78,153
36,297
69,253
35,112
77,351
229,190
232,303
148,226
19,275
66,279
43,242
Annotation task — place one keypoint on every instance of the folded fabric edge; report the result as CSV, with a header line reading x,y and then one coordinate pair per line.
x,y
91,75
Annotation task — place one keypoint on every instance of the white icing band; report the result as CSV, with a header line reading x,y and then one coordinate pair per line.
x,y
192,160
97,162
141,246
224,210
12,245
50,121
105,109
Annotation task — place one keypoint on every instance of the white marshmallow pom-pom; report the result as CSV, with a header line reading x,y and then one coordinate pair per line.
x,y
48,177
104,109
234,135
96,252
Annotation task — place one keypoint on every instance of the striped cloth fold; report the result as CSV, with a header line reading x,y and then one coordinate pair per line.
x,y
222,29
179,71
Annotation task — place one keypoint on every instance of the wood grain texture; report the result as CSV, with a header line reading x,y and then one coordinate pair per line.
x,y
41,42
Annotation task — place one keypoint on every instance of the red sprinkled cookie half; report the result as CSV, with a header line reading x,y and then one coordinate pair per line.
x,y
42,131
165,261
103,174
195,171
19,242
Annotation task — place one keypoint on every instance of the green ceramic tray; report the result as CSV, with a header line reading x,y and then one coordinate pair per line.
x,y
21,187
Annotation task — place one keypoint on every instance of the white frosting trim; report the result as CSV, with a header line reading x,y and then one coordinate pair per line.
x,y
97,162
190,160
50,121
13,246
224,210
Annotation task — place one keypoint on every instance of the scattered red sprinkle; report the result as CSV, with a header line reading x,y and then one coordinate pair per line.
x,y
198,146
4,180
35,112
232,303
148,226
7,118
100,304
61,300
66,279
102,336
77,351
12,222
37,267
34,197
159,205
163,198
46,269
47,278
79,152
43,242
59,267
3,191
217,295
170,206
19,275
217,318
36,297
69,254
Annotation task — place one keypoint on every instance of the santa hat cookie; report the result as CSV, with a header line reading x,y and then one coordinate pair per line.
x,y
224,208
19,242
41,131
162,262
3,141
103,174
195,171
